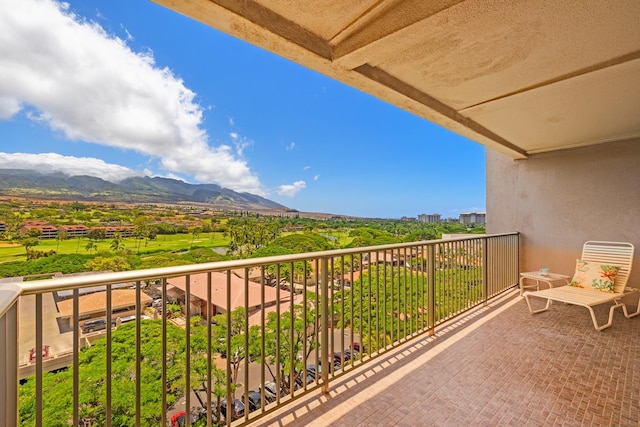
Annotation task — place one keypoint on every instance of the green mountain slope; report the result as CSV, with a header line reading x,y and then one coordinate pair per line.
x,y
29,183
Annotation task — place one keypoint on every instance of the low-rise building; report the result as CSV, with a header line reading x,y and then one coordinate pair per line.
x,y
94,305
110,231
46,229
240,293
73,231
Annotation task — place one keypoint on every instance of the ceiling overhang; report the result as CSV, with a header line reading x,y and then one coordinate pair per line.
x,y
521,77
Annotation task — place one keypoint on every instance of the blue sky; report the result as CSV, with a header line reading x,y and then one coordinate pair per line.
x,y
117,88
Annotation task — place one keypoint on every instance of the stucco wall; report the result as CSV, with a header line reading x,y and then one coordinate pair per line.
x,y
559,200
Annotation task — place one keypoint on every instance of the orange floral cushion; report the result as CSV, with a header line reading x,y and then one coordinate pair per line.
x,y
594,275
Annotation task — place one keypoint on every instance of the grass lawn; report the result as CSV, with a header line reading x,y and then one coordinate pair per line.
x,y
174,242
12,252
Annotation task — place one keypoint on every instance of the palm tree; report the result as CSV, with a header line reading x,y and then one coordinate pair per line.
x,y
61,235
91,245
117,244
194,235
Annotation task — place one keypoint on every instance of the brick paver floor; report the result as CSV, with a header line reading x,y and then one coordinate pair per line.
x,y
497,366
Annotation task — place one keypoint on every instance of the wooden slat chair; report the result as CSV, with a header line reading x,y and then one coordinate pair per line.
x,y
600,254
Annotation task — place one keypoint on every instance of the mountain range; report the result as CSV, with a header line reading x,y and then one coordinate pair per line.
x,y
57,186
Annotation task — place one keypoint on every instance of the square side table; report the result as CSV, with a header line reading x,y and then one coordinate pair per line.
x,y
535,276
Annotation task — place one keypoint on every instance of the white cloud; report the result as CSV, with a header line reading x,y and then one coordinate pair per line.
x,y
315,178
90,86
129,36
306,168
241,143
9,107
290,190
69,165
291,146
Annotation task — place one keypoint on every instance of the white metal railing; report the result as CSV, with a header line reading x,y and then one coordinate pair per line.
x,y
278,322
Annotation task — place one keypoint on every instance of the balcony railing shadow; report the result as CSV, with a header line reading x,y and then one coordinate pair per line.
x,y
495,366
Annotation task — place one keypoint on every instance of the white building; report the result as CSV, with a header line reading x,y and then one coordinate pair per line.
x,y
473,218
435,217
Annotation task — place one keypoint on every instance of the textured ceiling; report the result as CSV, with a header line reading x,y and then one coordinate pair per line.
x,y
521,77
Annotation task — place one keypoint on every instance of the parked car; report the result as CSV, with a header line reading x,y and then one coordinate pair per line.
x,y
357,346
179,419
351,354
336,360
125,319
33,353
238,409
270,393
304,377
255,400
93,325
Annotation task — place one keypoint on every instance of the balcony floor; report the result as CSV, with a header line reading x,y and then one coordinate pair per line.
x,y
498,365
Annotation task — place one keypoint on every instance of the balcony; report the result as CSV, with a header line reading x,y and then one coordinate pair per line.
x,y
457,345
494,366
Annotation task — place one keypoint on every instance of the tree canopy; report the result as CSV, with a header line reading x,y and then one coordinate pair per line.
x,y
58,401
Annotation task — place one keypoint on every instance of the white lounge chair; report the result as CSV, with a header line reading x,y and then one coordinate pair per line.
x,y
596,289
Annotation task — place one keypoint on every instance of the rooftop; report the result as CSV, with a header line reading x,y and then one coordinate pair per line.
x,y
199,283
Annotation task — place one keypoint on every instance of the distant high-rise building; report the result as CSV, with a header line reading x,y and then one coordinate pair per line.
x,y
473,218
429,218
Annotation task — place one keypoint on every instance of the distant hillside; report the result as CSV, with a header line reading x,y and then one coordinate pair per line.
x,y
29,183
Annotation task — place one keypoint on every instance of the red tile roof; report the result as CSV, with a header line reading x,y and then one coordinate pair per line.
x,y
198,288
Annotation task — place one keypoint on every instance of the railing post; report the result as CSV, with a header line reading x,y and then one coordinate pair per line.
x,y
9,356
324,333
431,289
485,272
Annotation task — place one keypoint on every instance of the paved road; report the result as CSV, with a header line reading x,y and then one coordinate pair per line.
x,y
59,343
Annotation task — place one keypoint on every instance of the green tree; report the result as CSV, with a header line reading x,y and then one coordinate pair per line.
x,y
116,263
167,259
248,234
282,274
12,226
202,255
30,243
34,232
66,264
173,311
426,233
96,234
194,235
141,229
285,351
78,207
371,237
117,244
301,243
60,236
91,246
238,350
383,305
58,400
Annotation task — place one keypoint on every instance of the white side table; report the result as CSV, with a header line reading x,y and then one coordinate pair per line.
x,y
535,276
